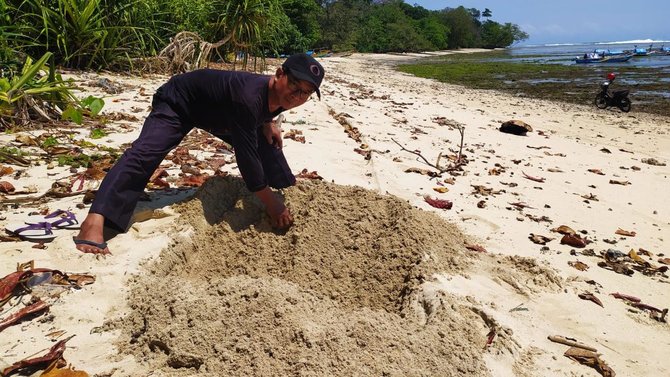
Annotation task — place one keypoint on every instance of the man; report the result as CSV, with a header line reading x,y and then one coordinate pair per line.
x,y
237,107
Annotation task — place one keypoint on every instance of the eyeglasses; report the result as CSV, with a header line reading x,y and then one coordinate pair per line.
x,y
296,90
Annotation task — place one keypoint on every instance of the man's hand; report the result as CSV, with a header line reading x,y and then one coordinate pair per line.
x,y
280,216
272,131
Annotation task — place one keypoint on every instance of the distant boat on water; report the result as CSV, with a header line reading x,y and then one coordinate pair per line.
x,y
594,57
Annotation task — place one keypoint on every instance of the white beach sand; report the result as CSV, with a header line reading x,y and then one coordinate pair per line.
x,y
384,105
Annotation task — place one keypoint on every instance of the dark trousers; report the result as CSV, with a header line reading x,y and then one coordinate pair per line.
x,y
163,130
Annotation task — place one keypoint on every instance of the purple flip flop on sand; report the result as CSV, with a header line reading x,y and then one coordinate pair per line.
x,y
39,232
60,219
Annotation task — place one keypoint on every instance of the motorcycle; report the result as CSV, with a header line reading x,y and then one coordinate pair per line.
x,y
617,98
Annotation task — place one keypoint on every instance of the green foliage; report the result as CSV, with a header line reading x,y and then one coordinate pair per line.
x,y
50,141
80,33
97,133
463,30
36,92
495,35
76,161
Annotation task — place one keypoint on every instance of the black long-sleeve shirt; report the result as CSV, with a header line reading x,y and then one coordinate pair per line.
x,y
232,105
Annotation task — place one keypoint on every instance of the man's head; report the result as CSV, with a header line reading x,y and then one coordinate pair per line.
x,y
299,77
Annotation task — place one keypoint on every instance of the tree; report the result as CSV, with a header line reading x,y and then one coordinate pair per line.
x,y
463,30
487,13
496,35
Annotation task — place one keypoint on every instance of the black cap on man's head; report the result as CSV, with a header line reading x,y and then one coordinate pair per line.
x,y
306,68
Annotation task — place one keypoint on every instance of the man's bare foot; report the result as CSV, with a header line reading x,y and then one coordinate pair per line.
x,y
90,238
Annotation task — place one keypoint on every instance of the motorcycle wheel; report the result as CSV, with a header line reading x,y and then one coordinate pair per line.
x,y
601,101
625,105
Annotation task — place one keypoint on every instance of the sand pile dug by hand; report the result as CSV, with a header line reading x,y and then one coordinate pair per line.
x,y
340,293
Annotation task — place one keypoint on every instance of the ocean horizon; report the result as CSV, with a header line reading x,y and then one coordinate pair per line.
x,y
558,44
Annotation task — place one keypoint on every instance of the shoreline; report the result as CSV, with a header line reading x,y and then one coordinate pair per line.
x,y
384,104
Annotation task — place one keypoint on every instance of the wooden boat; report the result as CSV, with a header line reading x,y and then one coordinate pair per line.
x,y
616,58
590,57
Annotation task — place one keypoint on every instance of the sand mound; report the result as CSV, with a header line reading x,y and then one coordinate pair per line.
x,y
338,294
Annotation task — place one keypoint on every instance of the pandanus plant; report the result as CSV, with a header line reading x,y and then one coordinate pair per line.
x,y
39,93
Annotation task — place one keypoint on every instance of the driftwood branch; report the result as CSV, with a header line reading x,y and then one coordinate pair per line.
x,y
569,342
436,166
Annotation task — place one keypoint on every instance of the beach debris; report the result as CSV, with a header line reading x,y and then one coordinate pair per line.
x,y
352,132
516,127
617,182
305,174
591,297
13,159
475,247
540,147
574,240
519,308
27,277
490,336
192,180
481,204
438,203
555,170
626,233
632,254
605,150
36,307
591,359
539,239
590,197
521,205
564,229
532,178
441,190
664,261
108,86
295,135
54,354
156,182
558,154
6,170
625,297
485,191
596,171
652,161
572,342
619,268
56,371
6,187
427,172
581,266
364,152
541,219
457,160
654,312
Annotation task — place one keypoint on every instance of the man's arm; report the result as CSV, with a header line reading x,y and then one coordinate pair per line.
x,y
279,214
272,131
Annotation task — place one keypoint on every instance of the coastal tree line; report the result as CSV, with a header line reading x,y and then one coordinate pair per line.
x,y
96,34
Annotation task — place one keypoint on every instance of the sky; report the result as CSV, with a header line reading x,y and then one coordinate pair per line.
x,y
574,21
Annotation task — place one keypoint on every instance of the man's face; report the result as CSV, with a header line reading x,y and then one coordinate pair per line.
x,y
294,92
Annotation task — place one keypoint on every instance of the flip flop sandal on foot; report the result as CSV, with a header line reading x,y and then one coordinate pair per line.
x,y
40,232
58,219
102,245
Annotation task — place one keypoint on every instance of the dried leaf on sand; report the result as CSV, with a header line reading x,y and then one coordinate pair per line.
x,y
591,297
591,359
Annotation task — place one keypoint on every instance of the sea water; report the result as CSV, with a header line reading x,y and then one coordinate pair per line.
x,y
565,53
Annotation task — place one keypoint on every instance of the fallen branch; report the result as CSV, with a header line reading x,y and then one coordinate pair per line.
x,y
570,342
436,166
